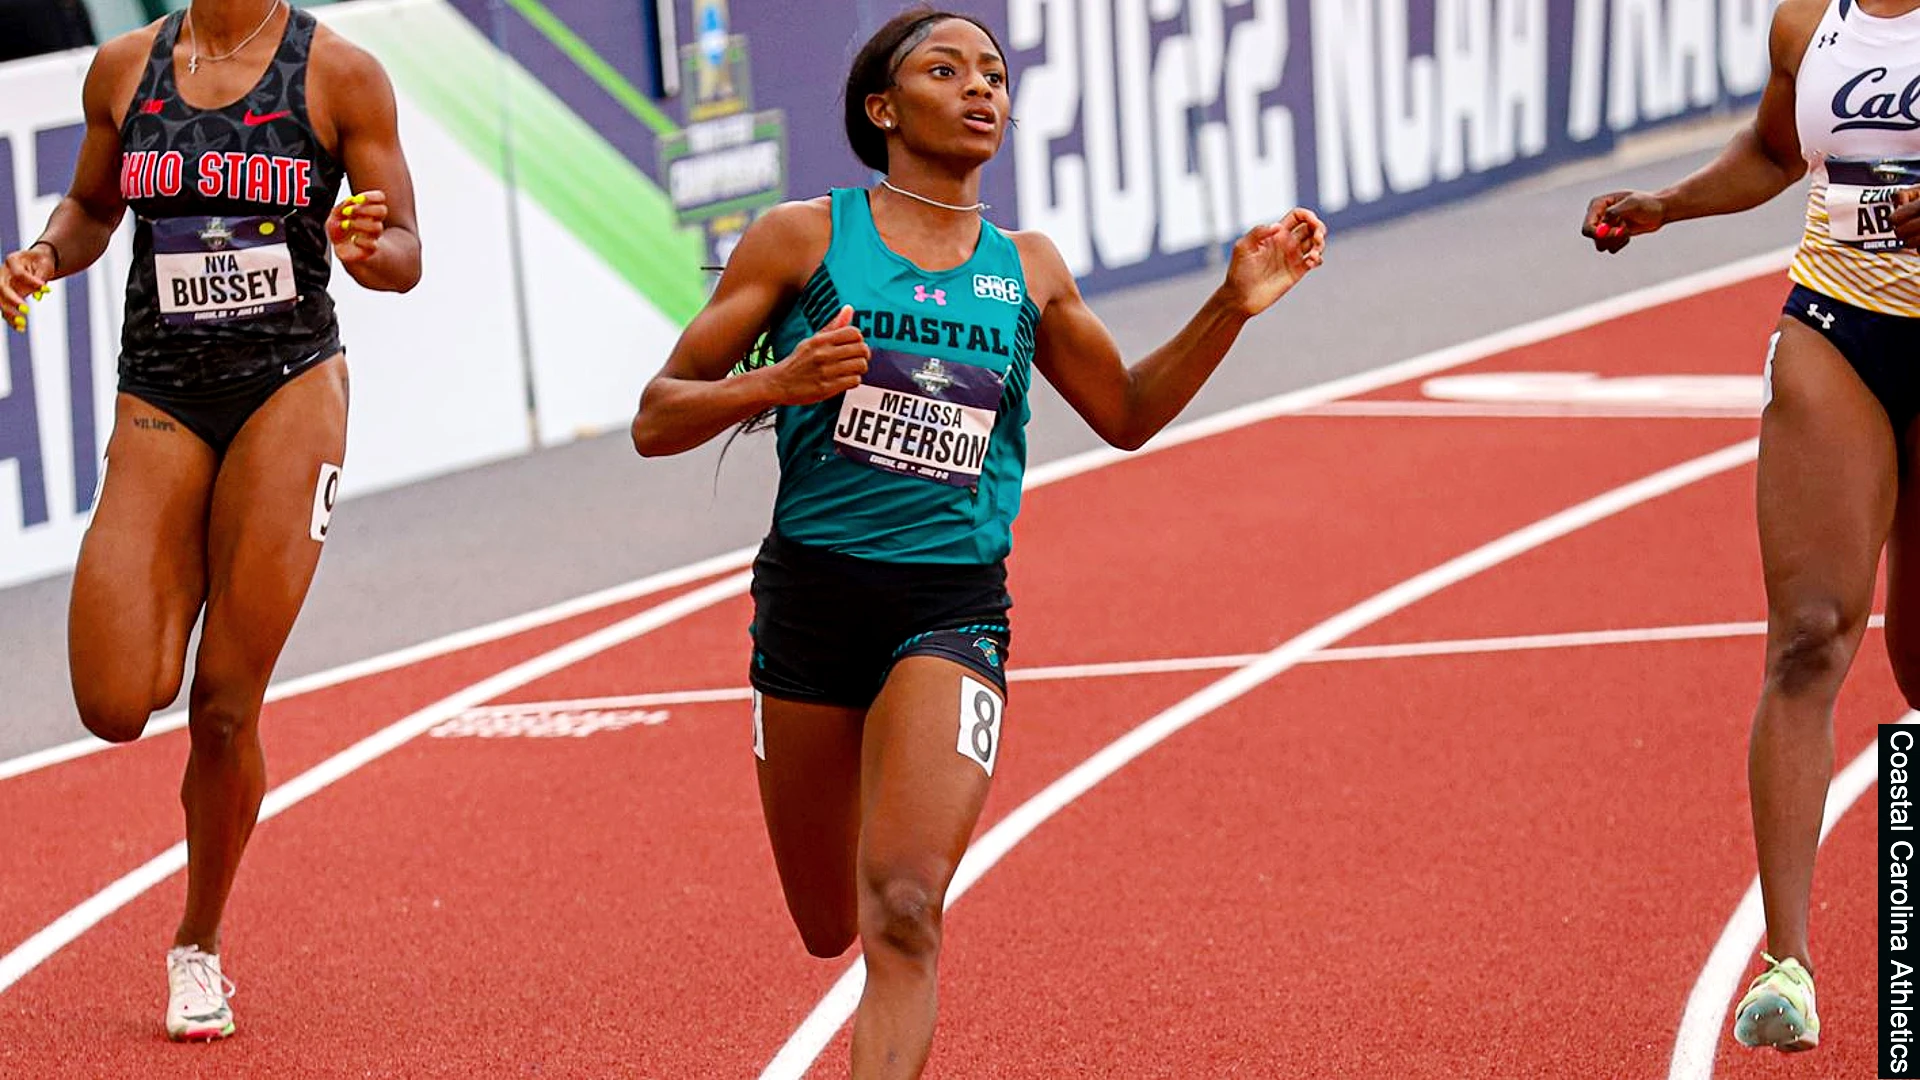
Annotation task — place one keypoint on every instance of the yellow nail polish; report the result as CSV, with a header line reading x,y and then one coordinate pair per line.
x,y
346,211
20,325
42,294
357,199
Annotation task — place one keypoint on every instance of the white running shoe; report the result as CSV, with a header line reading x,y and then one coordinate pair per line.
x,y
197,993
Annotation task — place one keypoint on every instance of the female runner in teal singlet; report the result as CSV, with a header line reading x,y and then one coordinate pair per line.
x,y
909,328
227,129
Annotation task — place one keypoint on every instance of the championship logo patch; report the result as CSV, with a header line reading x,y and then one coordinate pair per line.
x,y
932,377
216,235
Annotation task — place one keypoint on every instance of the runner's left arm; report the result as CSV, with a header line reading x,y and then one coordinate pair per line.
x,y
374,232
1127,405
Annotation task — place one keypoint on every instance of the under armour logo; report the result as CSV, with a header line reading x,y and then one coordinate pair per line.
x,y
1828,39
922,294
1826,320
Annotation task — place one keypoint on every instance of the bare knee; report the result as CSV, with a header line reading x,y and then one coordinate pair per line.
x,y
1905,658
826,936
824,917
901,915
221,719
1812,650
1906,675
115,717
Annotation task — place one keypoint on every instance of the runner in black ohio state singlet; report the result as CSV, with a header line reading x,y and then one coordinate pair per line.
x,y
230,246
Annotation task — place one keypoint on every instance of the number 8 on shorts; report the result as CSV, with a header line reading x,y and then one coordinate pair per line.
x,y
980,711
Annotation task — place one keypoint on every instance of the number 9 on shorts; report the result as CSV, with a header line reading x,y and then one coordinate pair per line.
x,y
980,711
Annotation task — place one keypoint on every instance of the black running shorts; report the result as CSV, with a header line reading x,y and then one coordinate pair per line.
x,y
828,628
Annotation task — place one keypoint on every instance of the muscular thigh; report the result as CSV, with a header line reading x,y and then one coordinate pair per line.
x,y
932,738
809,772
1827,478
272,505
141,576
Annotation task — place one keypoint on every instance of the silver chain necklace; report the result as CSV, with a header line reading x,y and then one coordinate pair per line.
x,y
193,42
974,209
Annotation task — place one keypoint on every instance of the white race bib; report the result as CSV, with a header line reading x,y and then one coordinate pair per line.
x,y
221,270
922,417
1861,197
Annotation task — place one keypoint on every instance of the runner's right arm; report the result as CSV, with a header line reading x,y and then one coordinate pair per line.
x,y
692,399
82,225
1758,163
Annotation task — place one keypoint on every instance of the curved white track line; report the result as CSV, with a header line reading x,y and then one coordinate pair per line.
x,y
1713,992
412,654
813,1035
1119,669
32,952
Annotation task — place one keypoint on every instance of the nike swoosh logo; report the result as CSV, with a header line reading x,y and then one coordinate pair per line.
x,y
255,121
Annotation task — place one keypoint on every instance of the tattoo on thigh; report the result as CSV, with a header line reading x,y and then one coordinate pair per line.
x,y
153,423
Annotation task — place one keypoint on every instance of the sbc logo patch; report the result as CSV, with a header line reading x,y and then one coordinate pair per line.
x,y
991,287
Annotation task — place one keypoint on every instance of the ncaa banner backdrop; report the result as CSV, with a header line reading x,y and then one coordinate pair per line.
x,y
1149,130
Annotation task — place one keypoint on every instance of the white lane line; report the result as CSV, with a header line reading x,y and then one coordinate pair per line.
x,y
1532,333
1714,991
1444,410
617,702
1178,664
36,949
826,1019
412,654
1038,476
1579,639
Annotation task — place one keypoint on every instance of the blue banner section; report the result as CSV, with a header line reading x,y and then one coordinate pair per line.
x,y
52,148
19,406
1143,139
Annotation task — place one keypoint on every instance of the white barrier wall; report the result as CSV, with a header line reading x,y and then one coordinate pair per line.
x,y
441,376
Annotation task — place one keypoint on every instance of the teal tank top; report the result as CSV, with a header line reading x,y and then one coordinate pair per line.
x,y
922,462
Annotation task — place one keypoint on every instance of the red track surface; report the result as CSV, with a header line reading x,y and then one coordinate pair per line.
x,y
1496,864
